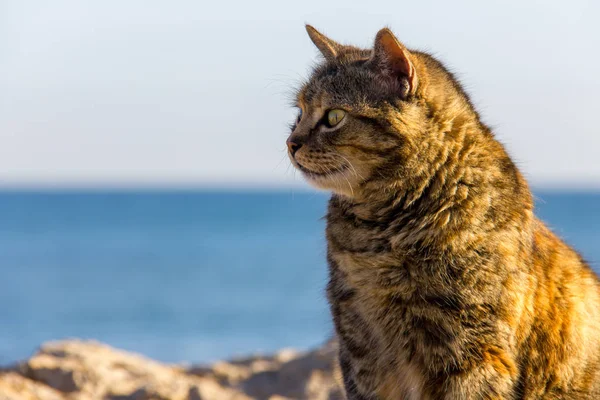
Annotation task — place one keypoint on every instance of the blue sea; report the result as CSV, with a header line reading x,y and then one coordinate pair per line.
x,y
187,276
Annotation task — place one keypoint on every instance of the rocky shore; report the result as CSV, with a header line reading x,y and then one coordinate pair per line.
x,y
86,370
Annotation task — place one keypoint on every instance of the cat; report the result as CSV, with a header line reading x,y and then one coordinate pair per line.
x,y
443,284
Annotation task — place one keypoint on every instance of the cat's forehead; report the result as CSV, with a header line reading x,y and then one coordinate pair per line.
x,y
351,83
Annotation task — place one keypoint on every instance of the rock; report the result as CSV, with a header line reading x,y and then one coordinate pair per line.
x,y
309,376
65,377
17,387
87,370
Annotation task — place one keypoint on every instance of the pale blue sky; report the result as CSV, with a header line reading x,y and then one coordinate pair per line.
x,y
195,92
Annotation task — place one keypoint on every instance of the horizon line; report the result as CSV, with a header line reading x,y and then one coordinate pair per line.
x,y
49,187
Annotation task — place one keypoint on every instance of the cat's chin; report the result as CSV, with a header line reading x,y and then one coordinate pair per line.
x,y
335,182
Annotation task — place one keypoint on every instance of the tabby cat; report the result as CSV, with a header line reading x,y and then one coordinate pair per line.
x,y
443,283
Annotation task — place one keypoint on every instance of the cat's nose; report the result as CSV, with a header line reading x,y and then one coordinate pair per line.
x,y
293,146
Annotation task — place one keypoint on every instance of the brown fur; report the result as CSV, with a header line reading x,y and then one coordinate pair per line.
x,y
443,284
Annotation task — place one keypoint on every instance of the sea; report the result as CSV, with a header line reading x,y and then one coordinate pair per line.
x,y
187,276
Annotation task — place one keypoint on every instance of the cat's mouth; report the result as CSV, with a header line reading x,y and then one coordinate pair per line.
x,y
314,174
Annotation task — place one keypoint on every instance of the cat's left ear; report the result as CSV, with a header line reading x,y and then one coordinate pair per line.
x,y
328,48
393,57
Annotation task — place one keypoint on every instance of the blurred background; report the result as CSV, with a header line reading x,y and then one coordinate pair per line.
x,y
146,199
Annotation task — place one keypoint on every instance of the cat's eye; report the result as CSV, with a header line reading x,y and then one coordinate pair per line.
x,y
334,117
299,118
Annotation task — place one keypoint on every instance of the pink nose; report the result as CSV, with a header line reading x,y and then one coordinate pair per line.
x,y
293,147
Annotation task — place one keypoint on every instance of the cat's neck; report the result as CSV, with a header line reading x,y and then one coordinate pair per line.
x,y
472,185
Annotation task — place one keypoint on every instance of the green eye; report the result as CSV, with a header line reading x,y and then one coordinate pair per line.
x,y
334,117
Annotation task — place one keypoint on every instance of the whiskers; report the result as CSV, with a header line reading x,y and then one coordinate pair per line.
x,y
356,174
334,175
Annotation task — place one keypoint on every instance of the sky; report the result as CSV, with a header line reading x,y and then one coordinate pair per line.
x,y
196,93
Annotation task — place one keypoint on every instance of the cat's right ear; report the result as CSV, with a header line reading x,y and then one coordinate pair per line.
x,y
328,48
391,56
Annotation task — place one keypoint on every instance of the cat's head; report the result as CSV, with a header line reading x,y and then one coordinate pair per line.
x,y
362,115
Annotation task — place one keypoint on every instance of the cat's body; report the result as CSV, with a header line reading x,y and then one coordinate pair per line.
x,y
505,319
443,284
